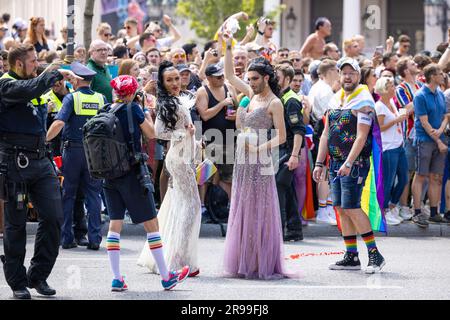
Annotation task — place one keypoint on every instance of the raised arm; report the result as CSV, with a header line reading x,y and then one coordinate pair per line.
x,y
175,34
231,76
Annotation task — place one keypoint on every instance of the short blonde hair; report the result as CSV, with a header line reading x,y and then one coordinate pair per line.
x,y
381,85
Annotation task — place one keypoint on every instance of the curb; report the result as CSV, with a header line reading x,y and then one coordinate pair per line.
x,y
312,230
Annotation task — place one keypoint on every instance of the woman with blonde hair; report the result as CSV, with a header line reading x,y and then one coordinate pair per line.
x,y
36,34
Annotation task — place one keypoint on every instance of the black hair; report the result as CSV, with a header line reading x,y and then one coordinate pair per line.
x,y
120,52
208,46
387,57
264,68
320,22
167,105
365,73
189,47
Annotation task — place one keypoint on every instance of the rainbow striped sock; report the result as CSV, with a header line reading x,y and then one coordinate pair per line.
x,y
322,204
113,247
329,202
156,248
350,244
369,239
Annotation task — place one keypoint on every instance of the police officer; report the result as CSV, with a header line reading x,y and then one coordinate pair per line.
x,y
289,156
27,169
77,109
54,100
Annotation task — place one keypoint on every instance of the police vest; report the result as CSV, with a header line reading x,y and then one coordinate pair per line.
x,y
52,97
87,104
35,102
290,95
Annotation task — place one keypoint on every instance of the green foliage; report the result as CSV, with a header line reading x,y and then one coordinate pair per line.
x,y
207,16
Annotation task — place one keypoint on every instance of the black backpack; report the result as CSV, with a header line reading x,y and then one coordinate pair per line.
x,y
107,153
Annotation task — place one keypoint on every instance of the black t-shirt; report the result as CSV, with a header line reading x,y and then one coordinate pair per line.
x,y
219,122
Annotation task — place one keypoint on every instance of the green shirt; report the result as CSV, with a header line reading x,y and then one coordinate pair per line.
x,y
101,82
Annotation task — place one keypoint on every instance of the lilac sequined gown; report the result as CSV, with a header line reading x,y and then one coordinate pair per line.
x,y
253,246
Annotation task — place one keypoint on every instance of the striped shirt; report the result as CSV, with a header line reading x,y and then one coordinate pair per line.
x,y
405,95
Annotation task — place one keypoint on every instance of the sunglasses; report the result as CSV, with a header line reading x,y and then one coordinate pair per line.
x,y
284,55
179,56
108,34
296,60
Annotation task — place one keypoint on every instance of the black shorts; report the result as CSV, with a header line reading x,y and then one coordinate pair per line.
x,y
126,193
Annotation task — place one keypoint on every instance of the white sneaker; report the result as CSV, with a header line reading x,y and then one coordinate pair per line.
x,y
405,213
391,219
396,213
425,210
331,215
322,216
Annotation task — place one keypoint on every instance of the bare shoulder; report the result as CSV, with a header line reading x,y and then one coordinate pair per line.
x,y
275,106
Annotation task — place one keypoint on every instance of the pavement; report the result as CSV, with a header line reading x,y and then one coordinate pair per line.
x,y
416,268
405,229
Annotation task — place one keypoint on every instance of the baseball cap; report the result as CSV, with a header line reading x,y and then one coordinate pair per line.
x,y
314,68
19,24
183,67
349,61
214,70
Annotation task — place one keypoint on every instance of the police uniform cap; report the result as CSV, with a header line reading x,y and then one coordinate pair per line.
x,y
82,71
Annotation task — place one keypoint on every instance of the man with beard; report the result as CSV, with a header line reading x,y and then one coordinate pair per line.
x,y
26,169
347,138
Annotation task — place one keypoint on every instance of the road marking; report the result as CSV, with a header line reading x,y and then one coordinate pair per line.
x,y
308,287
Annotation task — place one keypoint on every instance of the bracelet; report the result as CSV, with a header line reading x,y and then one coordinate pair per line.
x,y
295,156
320,165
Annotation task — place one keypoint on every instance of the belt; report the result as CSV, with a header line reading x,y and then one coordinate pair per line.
x,y
32,146
72,144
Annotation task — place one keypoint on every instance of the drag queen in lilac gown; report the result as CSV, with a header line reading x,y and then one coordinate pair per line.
x,y
254,242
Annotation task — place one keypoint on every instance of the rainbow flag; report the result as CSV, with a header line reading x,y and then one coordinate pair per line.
x,y
372,198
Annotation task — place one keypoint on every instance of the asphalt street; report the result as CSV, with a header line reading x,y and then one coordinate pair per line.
x,y
416,268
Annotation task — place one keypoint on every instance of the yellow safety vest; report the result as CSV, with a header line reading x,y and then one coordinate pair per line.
x,y
87,104
35,102
290,94
51,96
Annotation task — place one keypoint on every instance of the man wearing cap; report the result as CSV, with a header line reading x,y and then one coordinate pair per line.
x,y
54,99
77,109
347,138
216,106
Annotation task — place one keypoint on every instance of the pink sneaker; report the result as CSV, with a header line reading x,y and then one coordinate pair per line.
x,y
175,277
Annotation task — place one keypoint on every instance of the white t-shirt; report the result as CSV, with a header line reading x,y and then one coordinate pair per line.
x,y
391,138
320,96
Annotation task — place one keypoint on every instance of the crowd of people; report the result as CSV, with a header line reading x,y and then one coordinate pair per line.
x,y
260,113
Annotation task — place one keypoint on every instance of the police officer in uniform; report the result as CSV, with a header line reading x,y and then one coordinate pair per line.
x,y
77,109
289,156
54,100
27,169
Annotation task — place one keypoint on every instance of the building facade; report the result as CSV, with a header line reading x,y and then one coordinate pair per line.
x,y
424,21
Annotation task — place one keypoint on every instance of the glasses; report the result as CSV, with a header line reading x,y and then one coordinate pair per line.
x,y
351,74
128,27
101,50
107,34
284,55
179,56
158,30
296,60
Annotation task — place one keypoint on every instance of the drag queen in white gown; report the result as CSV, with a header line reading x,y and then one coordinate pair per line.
x,y
180,213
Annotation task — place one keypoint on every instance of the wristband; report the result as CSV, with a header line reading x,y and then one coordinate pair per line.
x,y
261,33
228,47
295,156
320,165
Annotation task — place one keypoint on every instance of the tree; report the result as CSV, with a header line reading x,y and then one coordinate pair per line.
x,y
207,16
88,16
